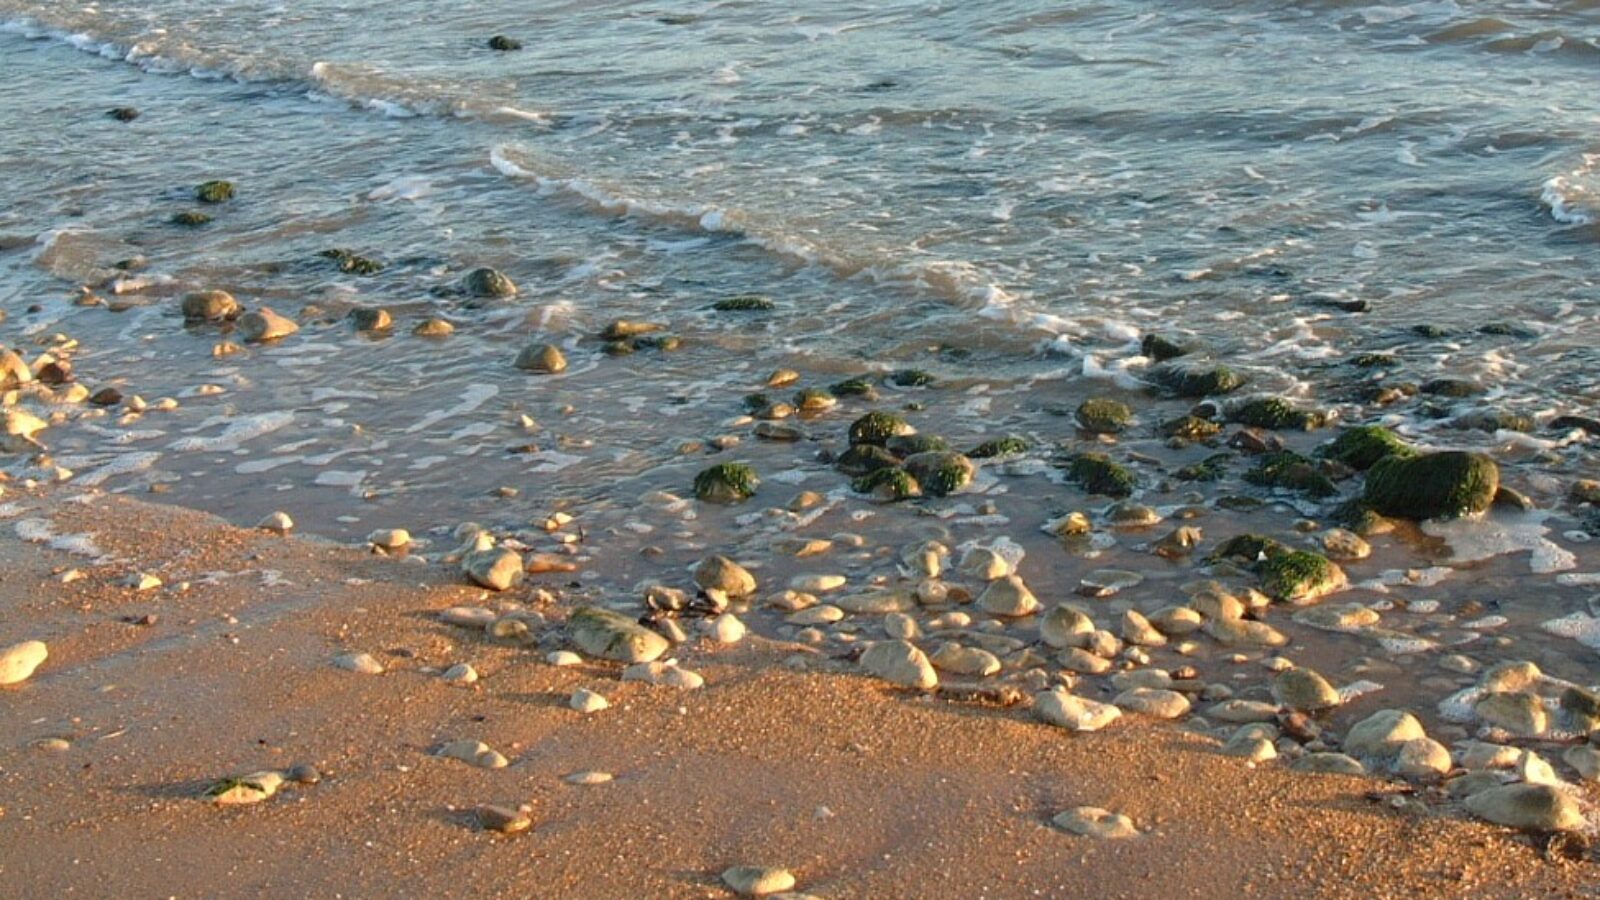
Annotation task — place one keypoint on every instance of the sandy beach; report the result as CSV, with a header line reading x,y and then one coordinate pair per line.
x,y
858,789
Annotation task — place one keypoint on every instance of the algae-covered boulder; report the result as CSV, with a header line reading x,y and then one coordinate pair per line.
x,y
1099,415
911,444
214,192
854,387
911,378
1190,428
1300,576
191,219
489,283
888,484
1010,445
1246,548
1291,471
940,472
352,263
504,44
726,483
1097,474
1361,446
1277,414
1197,379
1432,486
611,635
877,427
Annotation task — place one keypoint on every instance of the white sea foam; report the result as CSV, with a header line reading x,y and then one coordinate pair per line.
x,y
238,430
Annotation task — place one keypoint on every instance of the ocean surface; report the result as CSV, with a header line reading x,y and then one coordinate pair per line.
x,y
1008,196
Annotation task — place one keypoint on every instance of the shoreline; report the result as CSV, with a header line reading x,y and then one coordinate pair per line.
x,y
924,796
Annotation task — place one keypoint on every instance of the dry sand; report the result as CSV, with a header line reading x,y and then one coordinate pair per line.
x,y
860,790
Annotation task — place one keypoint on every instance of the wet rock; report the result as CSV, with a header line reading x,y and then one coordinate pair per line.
x,y
1190,428
1453,388
252,788
1179,543
940,473
1521,715
1231,632
1132,515
1529,807
263,326
389,539
1057,707
1161,348
1102,416
628,330
1304,689
1196,379
995,448
1277,414
1344,545
1581,707
360,663
1008,596
190,219
887,484
304,773
489,284
276,523
209,306
726,483
723,574
541,358
758,881
1435,485
502,819
433,328
1064,627
504,44
123,113
1381,733
214,192
726,629
1291,471
495,568
901,663
1091,821
605,634
19,661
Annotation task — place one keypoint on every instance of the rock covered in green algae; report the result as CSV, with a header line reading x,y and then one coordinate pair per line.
x,y
726,483
1190,428
911,444
1211,468
887,483
1277,414
1291,471
853,387
352,263
1097,474
1361,446
214,192
611,635
1441,485
1197,379
1162,348
1299,576
1246,548
745,303
877,427
911,378
1010,445
191,219
1099,415
940,472
489,283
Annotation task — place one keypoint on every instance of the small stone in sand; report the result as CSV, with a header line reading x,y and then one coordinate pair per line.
x,y
460,674
503,819
361,663
563,658
757,881
472,752
18,661
589,778
252,788
900,662
277,523
723,574
586,701
1092,821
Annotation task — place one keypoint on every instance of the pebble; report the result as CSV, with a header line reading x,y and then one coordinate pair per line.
x,y
475,753
818,615
252,788
901,663
563,658
1584,759
586,701
1520,715
263,325
610,635
589,778
1243,711
1157,703
467,616
1329,764
277,523
1252,747
1092,821
1380,733
18,661
361,663
901,627
758,881
503,819
726,629
723,574
495,568
460,674
141,581
389,538
1081,661
1420,757
817,584
666,674
971,661
1065,626
1137,630
984,564
1304,690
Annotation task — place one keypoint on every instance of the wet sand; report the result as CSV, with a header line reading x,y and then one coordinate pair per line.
x,y
860,790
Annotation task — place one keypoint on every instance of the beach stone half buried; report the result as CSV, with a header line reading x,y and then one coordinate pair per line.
x,y
1092,821
604,634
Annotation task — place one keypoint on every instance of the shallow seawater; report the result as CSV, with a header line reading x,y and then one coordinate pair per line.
x,y
1008,196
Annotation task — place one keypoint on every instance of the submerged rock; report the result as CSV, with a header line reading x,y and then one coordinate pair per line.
x,y
719,573
1095,473
1432,486
504,44
1010,445
605,634
214,192
1197,379
1277,414
875,428
1099,415
541,358
209,306
489,283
